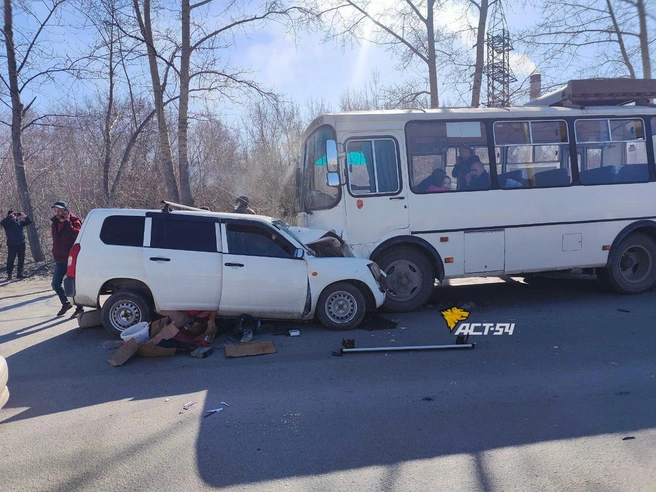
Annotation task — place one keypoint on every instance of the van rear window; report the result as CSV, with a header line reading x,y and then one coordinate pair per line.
x,y
123,230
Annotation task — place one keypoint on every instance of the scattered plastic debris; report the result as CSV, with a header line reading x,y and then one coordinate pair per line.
x,y
188,405
166,400
224,404
628,438
294,333
212,412
623,310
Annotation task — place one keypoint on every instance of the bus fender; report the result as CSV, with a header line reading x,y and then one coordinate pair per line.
x,y
418,243
640,224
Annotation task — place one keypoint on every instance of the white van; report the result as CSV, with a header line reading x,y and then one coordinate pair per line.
x,y
155,260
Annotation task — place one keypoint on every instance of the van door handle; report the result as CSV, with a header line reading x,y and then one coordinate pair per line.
x,y
159,258
397,198
234,264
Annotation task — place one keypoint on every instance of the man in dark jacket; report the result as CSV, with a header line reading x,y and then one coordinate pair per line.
x,y
65,228
13,224
242,206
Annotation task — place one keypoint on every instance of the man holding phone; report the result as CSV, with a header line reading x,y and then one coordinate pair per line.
x,y
65,228
13,225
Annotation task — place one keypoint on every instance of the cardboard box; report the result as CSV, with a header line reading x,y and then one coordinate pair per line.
x,y
148,350
162,329
124,353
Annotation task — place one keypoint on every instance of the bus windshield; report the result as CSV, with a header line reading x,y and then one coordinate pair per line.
x,y
315,193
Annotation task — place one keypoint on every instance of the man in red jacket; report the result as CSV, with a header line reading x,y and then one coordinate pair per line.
x,y
65,228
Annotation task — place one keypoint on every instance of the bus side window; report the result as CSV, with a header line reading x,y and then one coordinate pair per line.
x,y
373,167
614,150
530,154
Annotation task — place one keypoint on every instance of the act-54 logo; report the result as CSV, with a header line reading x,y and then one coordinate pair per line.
x,y
453,316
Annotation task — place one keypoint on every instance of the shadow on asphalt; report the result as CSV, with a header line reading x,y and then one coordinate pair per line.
x,y
444,405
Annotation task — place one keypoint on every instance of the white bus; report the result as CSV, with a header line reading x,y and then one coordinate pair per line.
x,y
568,182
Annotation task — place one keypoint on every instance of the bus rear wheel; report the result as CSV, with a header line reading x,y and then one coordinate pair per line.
x,y
409,280
633,266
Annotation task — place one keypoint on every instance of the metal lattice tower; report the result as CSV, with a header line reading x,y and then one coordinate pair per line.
x,y
499,74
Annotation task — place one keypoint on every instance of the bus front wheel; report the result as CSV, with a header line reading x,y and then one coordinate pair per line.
x,y
633,266
409,280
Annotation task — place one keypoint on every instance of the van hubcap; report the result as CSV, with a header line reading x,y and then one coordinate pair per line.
x,y
635,264
125,314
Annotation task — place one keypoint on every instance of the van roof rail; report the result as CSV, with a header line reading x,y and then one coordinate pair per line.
x,y
600,92
168,206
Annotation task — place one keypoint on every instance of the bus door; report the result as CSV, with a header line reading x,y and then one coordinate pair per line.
x,y
376,201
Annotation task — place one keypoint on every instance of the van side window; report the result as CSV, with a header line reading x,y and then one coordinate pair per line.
x,y
373,166
183,234
611,150
532,154
123,230
252,240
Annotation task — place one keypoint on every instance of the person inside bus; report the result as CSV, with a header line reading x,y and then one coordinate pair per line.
x,y
477,178
463,165
437,181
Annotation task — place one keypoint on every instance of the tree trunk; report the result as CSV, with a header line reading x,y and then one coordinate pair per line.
x,y
432,68
183,118
107,131
16,132
480,54
620,40
158,94
644,40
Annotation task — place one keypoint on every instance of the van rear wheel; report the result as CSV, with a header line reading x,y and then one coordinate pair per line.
x,y
123,309
633,265
409,280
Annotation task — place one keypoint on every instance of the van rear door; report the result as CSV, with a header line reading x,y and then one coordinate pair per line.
x,y
183,261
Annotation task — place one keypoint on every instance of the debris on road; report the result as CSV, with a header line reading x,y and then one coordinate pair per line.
x,y
623,310
188,405
628,438
294,333
224,404
249,348
212,412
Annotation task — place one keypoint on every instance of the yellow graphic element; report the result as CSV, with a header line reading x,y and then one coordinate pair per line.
x,y
453,315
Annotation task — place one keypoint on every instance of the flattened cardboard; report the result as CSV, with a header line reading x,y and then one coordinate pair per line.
x,y
124,353
249,348
148,350
162,329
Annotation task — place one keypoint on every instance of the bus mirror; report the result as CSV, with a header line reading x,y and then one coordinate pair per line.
x,y
332,179
299,253
331,155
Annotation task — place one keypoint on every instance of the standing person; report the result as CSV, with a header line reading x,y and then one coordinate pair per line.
x,y
13,224
463,165
65,228
242,206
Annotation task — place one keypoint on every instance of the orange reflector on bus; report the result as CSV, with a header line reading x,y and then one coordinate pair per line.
x,y
314,274
359,203
444,239
448,260
606,247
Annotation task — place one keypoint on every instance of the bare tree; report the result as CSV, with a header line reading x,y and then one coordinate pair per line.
x,y
592,38
20,72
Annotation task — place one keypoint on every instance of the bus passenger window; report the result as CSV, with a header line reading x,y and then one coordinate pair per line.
x,y
611,150
449,147
532,154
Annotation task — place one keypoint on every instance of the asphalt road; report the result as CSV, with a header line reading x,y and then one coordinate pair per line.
x,y
568,401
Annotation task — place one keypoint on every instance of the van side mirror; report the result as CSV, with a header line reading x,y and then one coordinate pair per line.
x,y
299,254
